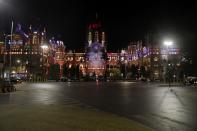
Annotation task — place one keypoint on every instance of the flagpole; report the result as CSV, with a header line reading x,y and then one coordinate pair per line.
x,y
11,39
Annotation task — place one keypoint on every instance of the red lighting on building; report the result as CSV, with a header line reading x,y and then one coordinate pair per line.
x,y
94,26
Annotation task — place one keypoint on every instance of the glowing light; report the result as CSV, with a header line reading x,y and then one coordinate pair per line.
x,y
44,47
18,61
94,26
168,43
13,72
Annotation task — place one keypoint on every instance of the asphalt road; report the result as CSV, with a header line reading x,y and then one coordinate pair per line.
x,y
152,104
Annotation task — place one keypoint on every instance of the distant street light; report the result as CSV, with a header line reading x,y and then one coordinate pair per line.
x,y
44,47
18,66
18,61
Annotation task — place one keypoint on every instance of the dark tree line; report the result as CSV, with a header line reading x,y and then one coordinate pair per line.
x,y
73,72
134,71
54,72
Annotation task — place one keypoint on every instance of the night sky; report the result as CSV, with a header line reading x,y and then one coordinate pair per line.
x,y
123,21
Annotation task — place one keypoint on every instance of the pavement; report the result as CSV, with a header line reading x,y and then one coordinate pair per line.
x,y
154,105
62,118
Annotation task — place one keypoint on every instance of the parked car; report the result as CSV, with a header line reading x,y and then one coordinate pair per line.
x,y
190,80
16,80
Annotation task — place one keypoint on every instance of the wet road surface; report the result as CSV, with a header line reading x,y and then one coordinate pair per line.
x,y
151,104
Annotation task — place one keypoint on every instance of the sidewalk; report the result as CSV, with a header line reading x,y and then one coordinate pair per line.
x,y
62,118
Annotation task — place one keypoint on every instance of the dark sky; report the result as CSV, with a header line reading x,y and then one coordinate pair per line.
x,y
123,20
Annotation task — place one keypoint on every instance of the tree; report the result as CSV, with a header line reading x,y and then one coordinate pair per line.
x,y
123,70
143,71
74,72
116,74
187,66
77,72
54,71
65,70
169,74
134,71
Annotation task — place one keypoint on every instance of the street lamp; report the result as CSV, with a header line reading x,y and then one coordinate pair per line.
x,y
44,47
168,44
5,50
4,58
18,67
125,68
125,65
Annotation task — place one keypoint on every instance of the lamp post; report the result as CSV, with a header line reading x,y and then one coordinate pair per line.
x,y
167,44
125,69
125,63
10,48
18,66
6,53
44,47
4,57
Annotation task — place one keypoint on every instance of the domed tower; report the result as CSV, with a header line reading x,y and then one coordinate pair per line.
x,y
96,33
95,50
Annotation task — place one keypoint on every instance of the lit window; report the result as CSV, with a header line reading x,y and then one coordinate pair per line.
x,y
156,59
122,58
81,66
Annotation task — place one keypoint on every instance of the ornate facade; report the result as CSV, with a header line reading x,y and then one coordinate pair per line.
x,y
32,54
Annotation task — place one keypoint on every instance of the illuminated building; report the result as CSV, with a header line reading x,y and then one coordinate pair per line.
x,y
55,54
95,50
25,52
153,58
29,59
73,59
